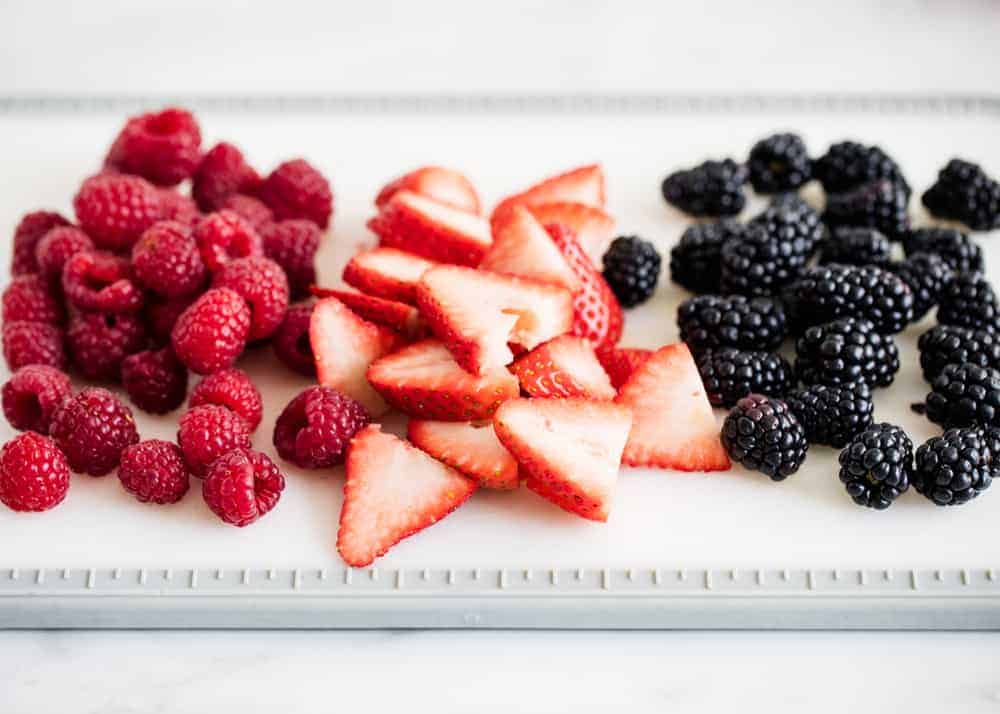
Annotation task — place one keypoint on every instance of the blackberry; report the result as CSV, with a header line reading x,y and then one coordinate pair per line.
x,y
829,292
968,300
844,351
955,248
695,260
925,274
709,321
965,395
848,164
832,415
957,466
879,204
730,374
877,465
632,269
713,188
763,435
849,245
951,344
779,163
965,193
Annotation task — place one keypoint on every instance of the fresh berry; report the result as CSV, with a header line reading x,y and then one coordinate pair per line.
x,y
951,344
212,332
154,472
404,319
849,164
925,274
387,273
710,321
844,351
291,340
779,163
583,185
207,432
762,434
957,466
730,374
565,366
32,395
766,256
965,395
99,281
160,315
421,226
832,415
713,188
250,209
956,248
855,246
163,147
34,475
436,183
969,300
631,269
99,342
621,362
313,430
295,189
877,465
224,236
880,204
92,429
114,209
965,193
233,389
262,283
167,261
155,380
58,246
29,231
522,247
27,343
696,260
293,244
28,298
242,486
222,173
470,448
593,227
175,206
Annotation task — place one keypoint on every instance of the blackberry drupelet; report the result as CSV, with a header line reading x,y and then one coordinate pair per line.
x,y
632,269
730,374
695,259
957,466
832,415
763,435
877,465
710,321
779,163
965,193
951,344
879,204
955,248
968,300
965,395
848,245
925,274
844,351
848,164
713,188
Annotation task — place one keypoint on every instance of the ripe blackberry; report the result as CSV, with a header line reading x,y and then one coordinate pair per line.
x,y
695,261
730,374
28,298
877,465
242,486
844,351
925,274
34,475
233,389
292,244
291,342
880,204
779,163
951,344
957,466
631,269
315,427
262,284
832,415
98,342
155,380
965,395
207,432
848,164
163,147
92,429
710,321
968,300
222,172
58,246
295,189
154,472
32,395
713,188
100,281
965,193
167,261
27,343
956,248
848,245
29,231
763,435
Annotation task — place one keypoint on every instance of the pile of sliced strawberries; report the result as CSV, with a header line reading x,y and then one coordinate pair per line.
x,y
498,338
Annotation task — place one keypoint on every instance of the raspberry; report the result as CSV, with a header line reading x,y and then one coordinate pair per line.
x,y
27,343
29,231
114,210
32,395
33,473
207,432
92,429
224,236
161,315
163,147
212,332
28,299
155,380
154,472
100,281
293,245
291,342
98,342
233,389
252,210
178,207
222,172
57,246
297,190
262,283
242,486
167,261
314,429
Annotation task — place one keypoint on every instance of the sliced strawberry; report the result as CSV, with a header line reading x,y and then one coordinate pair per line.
x,y
570,448
401,317
424,380
581,185
393,490
470,448
594,228
476,313
430,229
673,425
434,182
344,346
522,246
387,273
621,362
565,366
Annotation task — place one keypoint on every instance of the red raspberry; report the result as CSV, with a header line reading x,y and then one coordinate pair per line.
x,y
314,429
224,236
222,172
154,472
100,281
242,486
166,260
98,342
262,283
27,343
29,231
161,315
207,432
32,395
211,334
92,429
34,475
163,147
297,190
114,210
252,210
233,389
291,341
56,247
178,207
293,246
155,380
28,298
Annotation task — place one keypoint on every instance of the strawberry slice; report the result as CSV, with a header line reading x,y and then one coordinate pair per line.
x,y
673,425
594,228
344,346
387,273
424,380
401,317
580,185
392,491
476,313
570,449
437,183
470,448
430,229
522,246
565,366
621,362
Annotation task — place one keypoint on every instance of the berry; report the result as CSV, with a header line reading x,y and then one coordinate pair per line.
x,y
762,434
293,245
167,261
968,300
100,281
880,204
957,466
242,486
32,395
92,429
178,207
951,344
225,236
27,343
631,269
262,283
956,248
207,432
58,246
297,190
154,472
212,332
28,299
965,193
779,163
163,147
291,340
965,395
314,429
33,473
250,209
160,315
876,466
155,380
114,209
844,351
98,342
849,164
695,261
925,274
709,321
233,389
713,188
730,374
29,231
832,415
222,173
855,246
